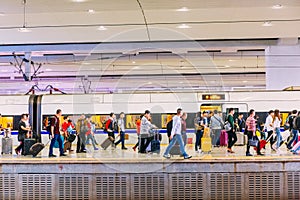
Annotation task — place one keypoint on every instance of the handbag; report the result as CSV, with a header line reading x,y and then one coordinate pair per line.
x,y
227,126
253,142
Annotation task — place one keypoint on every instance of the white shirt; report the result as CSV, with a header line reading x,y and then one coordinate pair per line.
x,y
145,127
176,125
121,124
276,123
269,121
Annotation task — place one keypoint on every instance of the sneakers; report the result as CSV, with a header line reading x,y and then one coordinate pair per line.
x,y
17,152
199,151
96,149
134,148
249,154
62,154
124,148
187,157
260,154
167,156
52,156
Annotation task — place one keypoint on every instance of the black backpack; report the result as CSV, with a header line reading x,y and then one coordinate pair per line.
x,y
291,121
297,123
48,128
169,127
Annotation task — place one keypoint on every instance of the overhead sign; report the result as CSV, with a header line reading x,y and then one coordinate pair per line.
x,y
213,97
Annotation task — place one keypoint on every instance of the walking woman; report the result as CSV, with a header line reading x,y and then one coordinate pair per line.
x,y
276,125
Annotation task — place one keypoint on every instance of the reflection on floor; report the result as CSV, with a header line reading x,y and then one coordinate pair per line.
x,y
117,155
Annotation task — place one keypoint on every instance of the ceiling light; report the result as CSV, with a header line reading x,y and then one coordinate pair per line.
x,y
149,83
183,26
245,81
48,70
101,28
226,66
230,60
91,11
133,62
277,6
183,9
267,23
24,30
79,1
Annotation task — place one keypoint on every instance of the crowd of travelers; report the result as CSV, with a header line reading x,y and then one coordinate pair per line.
x,y
257,135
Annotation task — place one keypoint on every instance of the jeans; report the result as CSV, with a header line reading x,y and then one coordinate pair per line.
x,y
91,137
231,138
122,139
199,135
53,140
295,138
215,135
250,136
184,138
176,138
279,137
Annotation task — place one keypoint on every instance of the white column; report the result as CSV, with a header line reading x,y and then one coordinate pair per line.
x,y
282,67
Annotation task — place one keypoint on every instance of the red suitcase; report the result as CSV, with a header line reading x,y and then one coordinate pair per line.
x,y
223,138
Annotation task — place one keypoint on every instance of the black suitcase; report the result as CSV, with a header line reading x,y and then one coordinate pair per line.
x,y
71,138
37,148
28,142
155,146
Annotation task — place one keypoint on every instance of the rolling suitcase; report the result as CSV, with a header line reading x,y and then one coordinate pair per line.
x,y
240,139
37,148
206,144
155,146
71,138
107,142
6,145
28,142
223,138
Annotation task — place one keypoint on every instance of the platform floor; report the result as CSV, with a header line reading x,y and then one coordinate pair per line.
x,y
117,155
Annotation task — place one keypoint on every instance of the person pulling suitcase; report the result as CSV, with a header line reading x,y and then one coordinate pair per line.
x,y
22,131
176,136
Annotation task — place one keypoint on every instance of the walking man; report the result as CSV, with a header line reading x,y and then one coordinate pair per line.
x,y
176,136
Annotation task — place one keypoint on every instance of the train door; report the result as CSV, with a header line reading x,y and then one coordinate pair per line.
x,y
238,108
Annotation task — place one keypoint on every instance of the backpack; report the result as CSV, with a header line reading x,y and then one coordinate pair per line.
x,y
48,128
291,121
296,123
169,127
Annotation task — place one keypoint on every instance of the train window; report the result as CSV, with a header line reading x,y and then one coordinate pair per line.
x,y
211,107
131,120
165,118
6,122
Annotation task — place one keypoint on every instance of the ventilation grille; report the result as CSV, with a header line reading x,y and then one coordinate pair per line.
x,y
225,186
7,187
112,187
186,186
293,183
36,186
147,186
265,186
74,187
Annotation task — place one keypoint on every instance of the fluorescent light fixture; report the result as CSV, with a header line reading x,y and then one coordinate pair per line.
x,y
48,70
183,9
226,66
231,60
245,81
277,6
133,62
91,11
79,1
183,26
24,30
101,28
149,83
267,23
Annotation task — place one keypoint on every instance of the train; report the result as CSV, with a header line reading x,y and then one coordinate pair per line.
x,y
161,104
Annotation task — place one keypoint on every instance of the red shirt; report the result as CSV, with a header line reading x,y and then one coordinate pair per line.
x,y
138,126
89,128
66,125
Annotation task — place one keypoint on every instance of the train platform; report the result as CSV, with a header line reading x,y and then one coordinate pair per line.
x,y
125,174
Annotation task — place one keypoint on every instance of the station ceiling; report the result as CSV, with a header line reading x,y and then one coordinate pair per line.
x,y
115,46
